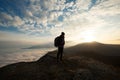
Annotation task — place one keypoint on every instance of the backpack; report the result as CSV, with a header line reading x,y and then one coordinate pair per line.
x,y
57,41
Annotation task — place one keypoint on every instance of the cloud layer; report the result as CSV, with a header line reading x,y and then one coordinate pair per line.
x,y
40,15
49,17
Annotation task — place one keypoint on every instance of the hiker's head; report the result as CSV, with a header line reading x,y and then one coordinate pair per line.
x,y
62,33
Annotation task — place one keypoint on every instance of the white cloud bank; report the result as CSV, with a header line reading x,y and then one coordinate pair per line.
x,y
50,17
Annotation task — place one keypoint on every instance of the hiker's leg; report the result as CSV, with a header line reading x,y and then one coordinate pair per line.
x,y
58,53
61,53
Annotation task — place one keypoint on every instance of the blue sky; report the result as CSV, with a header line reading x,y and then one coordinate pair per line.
x,y
41,20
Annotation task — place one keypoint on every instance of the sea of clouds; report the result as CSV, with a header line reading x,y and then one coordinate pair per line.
x,y
13,53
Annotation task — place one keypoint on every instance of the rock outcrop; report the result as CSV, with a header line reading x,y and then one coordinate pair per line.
x,y
47,68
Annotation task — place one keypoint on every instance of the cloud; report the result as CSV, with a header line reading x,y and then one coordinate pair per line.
x,y
5,19
8,20
17,21
25,38
50,17
37,12
29,13
93,3
22,55
69,1
5,16
118,39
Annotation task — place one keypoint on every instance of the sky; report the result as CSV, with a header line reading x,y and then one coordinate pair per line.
x,y
40,21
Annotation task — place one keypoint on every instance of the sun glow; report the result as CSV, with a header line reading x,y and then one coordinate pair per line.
x,y
84,36
88,36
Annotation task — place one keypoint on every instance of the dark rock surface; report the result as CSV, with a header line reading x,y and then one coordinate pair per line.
x,y
47,68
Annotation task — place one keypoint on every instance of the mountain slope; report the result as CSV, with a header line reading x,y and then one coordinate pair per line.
x,y
47,68
103,49
80,62
106,53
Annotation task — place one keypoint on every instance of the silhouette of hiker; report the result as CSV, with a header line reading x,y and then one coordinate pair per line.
x,y
61,43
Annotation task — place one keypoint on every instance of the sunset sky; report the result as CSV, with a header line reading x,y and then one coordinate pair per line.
x,y
40,21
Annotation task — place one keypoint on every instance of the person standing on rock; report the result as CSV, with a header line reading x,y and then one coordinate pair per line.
x,y
59,42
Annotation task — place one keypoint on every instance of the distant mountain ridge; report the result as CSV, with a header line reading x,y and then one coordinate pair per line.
x,y
103,49
47,45
106,53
